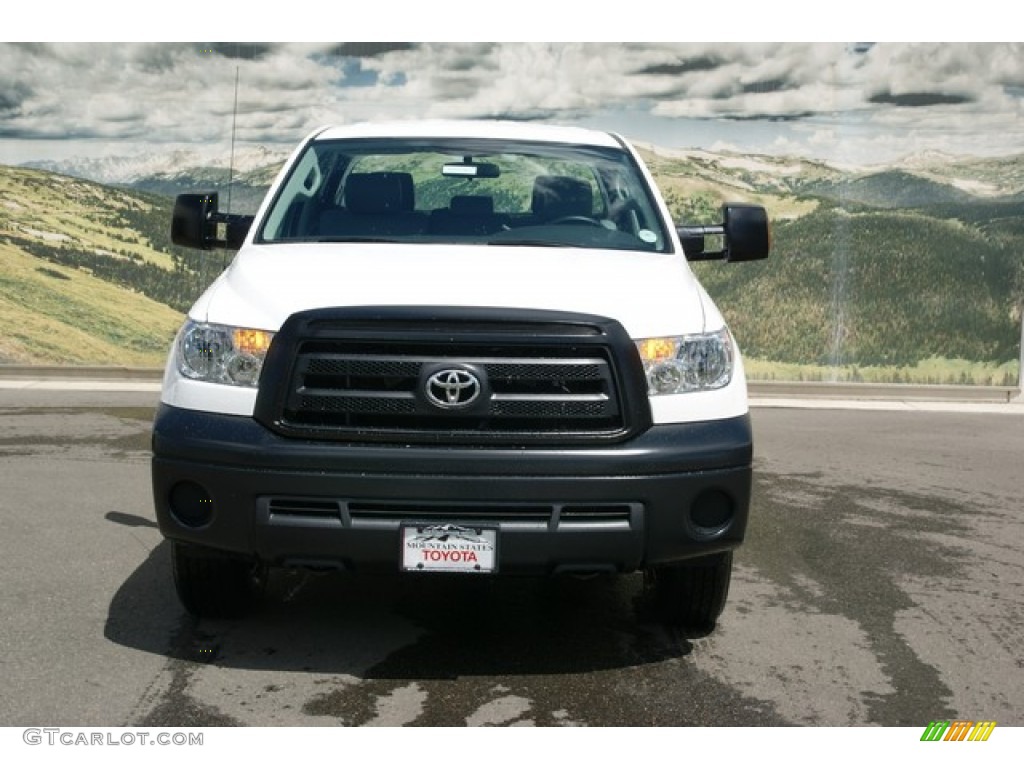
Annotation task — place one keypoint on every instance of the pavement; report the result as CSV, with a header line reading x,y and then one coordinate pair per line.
x,y
1014,407
881,583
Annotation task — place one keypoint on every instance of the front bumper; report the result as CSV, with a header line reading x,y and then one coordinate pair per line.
x,y
673,492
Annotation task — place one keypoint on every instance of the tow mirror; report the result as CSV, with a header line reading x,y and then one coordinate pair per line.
x,y
745,233
196,223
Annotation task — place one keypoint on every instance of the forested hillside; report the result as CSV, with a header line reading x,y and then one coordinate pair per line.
x,y
87,272
880,269
876,287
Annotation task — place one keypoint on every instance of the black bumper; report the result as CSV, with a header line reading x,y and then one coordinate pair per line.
x,y
672,493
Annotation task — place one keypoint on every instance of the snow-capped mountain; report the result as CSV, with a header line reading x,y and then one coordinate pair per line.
x,y
129,169
944,177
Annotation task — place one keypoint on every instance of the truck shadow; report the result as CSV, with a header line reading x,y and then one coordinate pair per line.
x,y
398,626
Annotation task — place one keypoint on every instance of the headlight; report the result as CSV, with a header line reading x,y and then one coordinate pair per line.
x,y
693,363
221,354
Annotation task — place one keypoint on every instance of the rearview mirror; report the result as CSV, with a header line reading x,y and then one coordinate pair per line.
x,y
469,169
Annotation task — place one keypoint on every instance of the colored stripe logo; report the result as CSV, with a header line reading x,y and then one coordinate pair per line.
x,y
958,730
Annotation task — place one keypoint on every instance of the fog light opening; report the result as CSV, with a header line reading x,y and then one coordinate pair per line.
x,y
712,512
191,504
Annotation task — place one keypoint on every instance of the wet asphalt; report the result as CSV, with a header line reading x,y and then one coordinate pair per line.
x,y
882,583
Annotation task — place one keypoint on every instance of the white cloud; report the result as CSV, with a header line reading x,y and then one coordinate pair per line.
x,y
793,96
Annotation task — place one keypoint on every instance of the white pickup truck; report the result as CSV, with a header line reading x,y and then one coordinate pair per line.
x,y
471,347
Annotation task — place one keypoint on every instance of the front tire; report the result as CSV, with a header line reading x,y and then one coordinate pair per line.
x,y
214,585
691,596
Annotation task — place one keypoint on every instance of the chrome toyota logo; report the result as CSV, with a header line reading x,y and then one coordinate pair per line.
x,y
453,388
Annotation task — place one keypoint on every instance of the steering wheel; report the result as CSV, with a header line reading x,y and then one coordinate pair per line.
x,y
576,220
623,206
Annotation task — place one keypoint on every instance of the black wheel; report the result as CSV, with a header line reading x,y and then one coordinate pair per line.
x,y
214,585
691,595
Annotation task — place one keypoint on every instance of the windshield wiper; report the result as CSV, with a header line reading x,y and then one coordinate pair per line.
x,y
351,239
532,241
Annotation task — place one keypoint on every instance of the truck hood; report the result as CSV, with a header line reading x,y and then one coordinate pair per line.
x,y
649,294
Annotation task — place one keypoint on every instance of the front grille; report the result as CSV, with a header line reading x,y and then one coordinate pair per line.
x,y
349,386
342,376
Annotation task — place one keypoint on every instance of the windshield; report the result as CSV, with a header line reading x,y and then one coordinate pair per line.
x,y
501,193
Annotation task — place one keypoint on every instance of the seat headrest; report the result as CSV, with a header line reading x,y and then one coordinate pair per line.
x,y
379,192
557,196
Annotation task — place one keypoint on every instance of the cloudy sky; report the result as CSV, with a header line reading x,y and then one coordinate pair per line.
x,y
857,103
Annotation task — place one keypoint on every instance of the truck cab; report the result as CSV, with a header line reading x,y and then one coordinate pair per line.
x,y
459,347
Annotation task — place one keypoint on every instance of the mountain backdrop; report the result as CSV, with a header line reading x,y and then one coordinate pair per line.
x,y
913,271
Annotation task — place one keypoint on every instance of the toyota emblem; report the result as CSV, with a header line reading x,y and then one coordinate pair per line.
x,y
453,388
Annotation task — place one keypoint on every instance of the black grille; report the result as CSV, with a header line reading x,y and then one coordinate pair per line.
x,y
338,401
552,408
349,378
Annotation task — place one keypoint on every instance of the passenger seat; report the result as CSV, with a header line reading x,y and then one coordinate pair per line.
x,y
377,204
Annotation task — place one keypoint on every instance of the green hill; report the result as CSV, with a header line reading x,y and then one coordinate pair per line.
x,y
874,288
889,189
55,314
903,271
87,275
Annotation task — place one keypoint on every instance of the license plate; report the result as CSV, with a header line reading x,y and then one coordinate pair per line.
x,y
449,548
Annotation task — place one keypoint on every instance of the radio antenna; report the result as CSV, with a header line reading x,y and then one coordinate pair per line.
x,y
231,160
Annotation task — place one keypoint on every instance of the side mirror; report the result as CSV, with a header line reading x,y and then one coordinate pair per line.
x,y
196,223
744,230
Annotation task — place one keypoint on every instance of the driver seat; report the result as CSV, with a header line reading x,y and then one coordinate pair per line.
x,y
555,197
